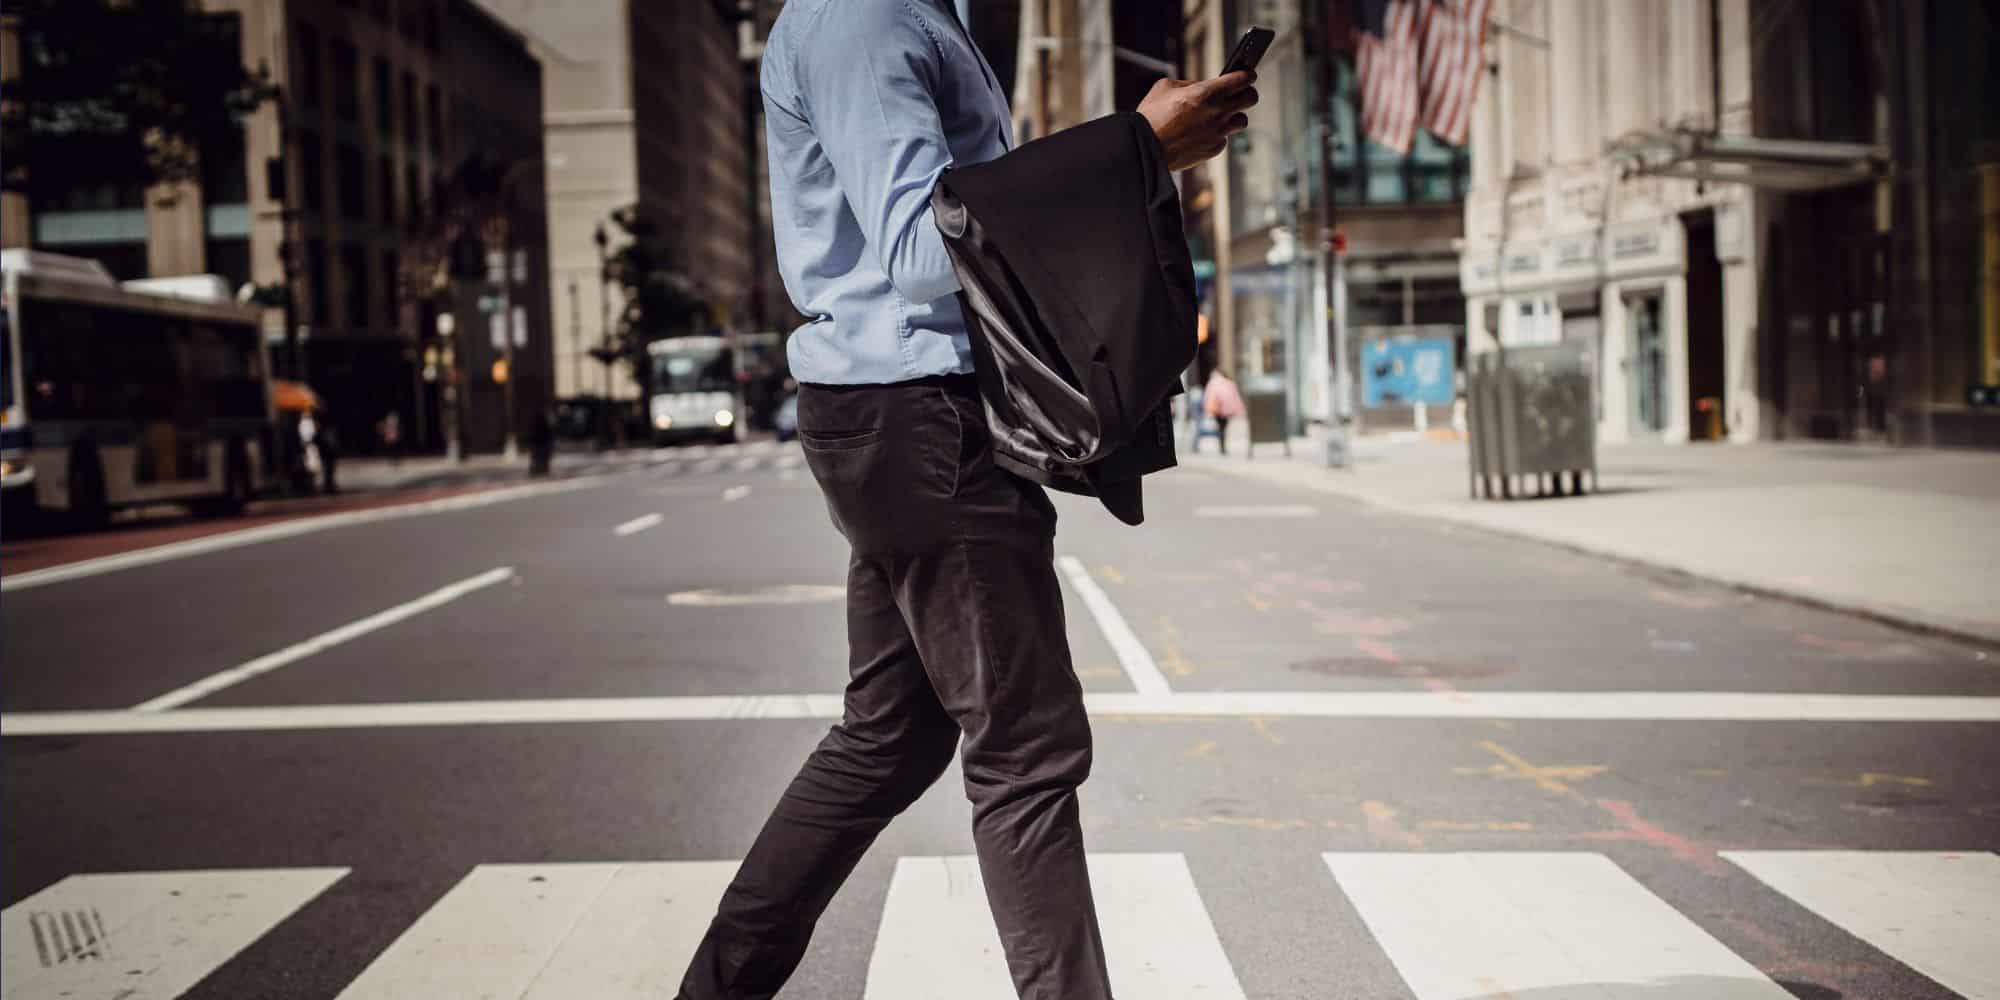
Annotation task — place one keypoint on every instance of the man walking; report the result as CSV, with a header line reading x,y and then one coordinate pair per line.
x,y
954,615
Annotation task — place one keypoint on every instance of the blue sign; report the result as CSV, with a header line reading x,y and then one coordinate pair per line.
x,y
1404,371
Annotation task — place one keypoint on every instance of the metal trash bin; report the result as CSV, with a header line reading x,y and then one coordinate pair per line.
x,y
1531,415
1266,413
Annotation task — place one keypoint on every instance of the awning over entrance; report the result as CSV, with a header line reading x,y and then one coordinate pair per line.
x,y
1779,164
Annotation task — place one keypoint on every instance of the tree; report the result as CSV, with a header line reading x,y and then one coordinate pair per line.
x,y
660,300
124,93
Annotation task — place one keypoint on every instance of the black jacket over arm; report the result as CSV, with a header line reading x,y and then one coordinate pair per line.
x,y
1079,292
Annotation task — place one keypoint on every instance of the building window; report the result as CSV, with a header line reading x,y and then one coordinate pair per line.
x,y
230,258
346,82
387,191
392,284
312,173
385,100
225,178
436,124
410,112
318,292
354,276
305,83
413,191
353,182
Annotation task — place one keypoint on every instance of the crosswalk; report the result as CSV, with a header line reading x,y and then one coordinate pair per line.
x,y
742,457
1455,926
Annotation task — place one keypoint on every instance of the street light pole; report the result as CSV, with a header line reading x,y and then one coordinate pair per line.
x,y
604,325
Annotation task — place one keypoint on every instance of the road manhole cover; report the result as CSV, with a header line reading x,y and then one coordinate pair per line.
x,y
1367,666
790,593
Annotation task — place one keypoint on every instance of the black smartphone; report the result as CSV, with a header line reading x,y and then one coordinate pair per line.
x,y
1249,50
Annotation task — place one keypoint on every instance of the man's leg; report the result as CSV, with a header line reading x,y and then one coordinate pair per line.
x,y
893,741
986,611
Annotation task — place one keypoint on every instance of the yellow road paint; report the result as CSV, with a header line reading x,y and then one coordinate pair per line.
x,y
1257,602
1869,779
1514,767
1111,573
1202,749
1170,649
1263,728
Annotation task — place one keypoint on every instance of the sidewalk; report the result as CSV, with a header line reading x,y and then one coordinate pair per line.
x,y
1910,536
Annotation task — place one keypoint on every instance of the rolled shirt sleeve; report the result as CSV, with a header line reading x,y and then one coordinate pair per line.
x,y
870,75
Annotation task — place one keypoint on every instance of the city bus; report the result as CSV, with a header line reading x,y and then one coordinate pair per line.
x,y
127,394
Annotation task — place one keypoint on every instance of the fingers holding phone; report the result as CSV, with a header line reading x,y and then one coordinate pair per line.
x,y
1194,119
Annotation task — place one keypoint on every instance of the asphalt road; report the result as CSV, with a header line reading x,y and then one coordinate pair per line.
x,y
508,748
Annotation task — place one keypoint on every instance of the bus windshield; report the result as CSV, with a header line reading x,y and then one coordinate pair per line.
x,y
692,364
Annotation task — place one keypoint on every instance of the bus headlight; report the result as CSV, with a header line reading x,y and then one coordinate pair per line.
x,y
662,422
724,418
8,467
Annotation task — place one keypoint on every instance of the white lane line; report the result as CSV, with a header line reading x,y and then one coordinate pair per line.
x,y
936,929
1570,706
1935,912
324,641
747,464
1244,511
735,493
638,524
1530,924
287,529
553,931
144,934
1132,655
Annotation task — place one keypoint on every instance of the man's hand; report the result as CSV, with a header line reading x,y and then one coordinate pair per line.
x,y
1194,119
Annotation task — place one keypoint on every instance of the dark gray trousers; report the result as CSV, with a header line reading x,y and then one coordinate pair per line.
x,y
955,627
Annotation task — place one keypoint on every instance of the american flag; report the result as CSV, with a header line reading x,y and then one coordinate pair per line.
x,y
1452,65
1385,59
1419,63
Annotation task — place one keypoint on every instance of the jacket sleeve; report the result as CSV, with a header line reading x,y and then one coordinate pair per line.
x,y
869,76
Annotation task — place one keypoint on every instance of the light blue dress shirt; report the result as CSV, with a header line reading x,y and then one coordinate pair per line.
x,y
866,102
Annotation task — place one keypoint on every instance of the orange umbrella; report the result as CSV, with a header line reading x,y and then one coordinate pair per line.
x,y
294,397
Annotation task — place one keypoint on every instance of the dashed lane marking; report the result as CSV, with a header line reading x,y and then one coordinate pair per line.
x,y
1248,511
1132,655
324,641
286,529
638,524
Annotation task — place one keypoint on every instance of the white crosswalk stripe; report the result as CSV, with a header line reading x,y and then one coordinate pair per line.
x,y
1157,936
704,460
552,932
143,935
1455,926
1458,926
1936,912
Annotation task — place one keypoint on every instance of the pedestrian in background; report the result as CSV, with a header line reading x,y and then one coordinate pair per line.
x,y
309,451
327,443
954,610
391,429
1221,400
